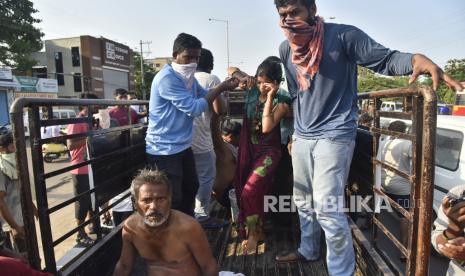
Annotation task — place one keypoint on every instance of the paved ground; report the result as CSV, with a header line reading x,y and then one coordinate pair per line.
x,y
59,189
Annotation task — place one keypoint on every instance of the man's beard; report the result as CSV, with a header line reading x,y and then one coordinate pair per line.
x,y
155,219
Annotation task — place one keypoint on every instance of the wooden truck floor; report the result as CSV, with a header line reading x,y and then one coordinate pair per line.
x,y
226,247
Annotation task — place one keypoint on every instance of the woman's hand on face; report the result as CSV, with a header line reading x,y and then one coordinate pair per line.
x,y
272,89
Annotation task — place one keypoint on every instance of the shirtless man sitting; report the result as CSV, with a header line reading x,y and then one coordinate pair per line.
x,y
170,242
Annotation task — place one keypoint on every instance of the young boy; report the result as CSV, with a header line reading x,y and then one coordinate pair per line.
x,y
10,200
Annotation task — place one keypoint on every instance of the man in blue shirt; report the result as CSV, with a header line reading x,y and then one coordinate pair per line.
x,y
320,61
176,98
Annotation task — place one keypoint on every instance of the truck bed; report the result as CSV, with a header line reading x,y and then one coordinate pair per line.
x,y
226,248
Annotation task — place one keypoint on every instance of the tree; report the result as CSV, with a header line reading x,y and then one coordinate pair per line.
x,y
369,81
454,68
18,36
149,74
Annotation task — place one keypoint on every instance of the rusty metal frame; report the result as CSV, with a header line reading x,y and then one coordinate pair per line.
x,y
423,116
16,113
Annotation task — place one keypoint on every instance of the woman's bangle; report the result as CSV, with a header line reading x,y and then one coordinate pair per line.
x,y
444,235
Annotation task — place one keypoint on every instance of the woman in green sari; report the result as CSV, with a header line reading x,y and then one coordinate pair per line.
x,y
259,149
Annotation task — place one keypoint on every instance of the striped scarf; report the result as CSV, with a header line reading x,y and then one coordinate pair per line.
x,y
306,43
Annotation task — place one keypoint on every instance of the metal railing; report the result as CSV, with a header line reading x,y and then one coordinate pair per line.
x,y
420,108
127,153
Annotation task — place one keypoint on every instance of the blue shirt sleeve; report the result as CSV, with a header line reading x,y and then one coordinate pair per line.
x,y
201,92
173,90
364,51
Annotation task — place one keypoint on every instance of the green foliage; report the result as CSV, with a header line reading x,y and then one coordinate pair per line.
x,y
18,36
369,81
454,68
149,74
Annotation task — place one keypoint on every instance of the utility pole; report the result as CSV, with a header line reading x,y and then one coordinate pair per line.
x,y
227,36
142,86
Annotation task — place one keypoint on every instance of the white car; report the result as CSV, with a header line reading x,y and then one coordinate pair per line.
x,y
449,154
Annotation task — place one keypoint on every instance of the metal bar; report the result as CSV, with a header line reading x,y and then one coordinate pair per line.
x,y
427,178
91,161
41,191
392,133
395,115
25,102
66,169
56,122
416,171
391,93
386,166
63,138
390,236
25,187
396,205
69,201
96,216
376,123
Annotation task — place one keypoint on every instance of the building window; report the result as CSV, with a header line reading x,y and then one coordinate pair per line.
x,y
59,68
158,65
77,82
75,57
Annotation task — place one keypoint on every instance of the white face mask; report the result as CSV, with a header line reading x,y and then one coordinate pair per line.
x,y
186,72
8,165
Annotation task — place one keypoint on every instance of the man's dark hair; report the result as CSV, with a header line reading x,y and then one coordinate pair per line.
x,y
365,118
271,68
90,96
283,3
398,126
186,41
233,128
147,176
206,61
6,137
120,92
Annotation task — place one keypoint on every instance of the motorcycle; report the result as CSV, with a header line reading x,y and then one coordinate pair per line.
x,y
52,152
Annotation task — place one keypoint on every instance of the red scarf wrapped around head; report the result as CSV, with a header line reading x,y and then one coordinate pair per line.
x,y
307,47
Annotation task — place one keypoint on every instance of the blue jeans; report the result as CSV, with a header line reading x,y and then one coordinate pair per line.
x,y
205,164
320,169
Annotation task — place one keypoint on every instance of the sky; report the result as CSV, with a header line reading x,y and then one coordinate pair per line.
x,y
431,27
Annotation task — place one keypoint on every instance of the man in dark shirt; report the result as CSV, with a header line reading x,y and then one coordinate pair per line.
x,y
320,61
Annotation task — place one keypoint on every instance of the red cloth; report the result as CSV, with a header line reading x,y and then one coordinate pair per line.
x,y
263,157
15,267
121,115
306,43
78,155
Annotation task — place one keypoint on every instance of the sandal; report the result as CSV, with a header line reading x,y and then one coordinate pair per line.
x,y
83,240
292,257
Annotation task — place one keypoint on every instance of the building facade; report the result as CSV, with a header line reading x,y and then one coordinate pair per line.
x,y
158,63
87,64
